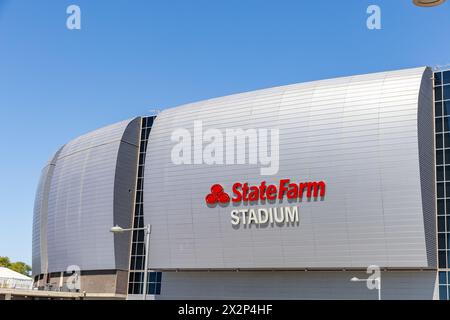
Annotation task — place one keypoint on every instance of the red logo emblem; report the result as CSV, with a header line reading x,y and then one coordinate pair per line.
x,y
217,195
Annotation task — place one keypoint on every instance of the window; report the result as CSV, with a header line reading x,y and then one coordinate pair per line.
x,y
440,173
438,93
439,141
447,140
154,286
447,108
438,109
442,259
440,190
446,77
441,224
438,79
447,92
439,157
442,293
438,124
441,207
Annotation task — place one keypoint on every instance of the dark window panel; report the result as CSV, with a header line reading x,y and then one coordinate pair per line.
x,y
442,293
442,260
447,124
438,78
440,157
158,289
447,140
438,124
446,92
152,277
439,141
442,277
139,277
440,190
441,224
447,173
441,207
158,277
446,106
130,288
440,173
441,241
438,93
446,77
438,109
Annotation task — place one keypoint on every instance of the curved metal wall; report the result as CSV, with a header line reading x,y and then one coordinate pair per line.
x,y
91,189
360,134
39,247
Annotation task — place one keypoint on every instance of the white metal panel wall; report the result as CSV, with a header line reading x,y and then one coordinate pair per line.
x,y
316,285
88,195
40,216
358,134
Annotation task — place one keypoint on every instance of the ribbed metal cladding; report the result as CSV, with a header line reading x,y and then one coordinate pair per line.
x,y
359,134
90,190
40,216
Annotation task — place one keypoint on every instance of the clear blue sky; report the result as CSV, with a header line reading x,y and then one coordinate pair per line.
x,y
133,56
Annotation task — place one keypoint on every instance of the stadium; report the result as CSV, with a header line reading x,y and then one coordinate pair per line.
x,y
356,165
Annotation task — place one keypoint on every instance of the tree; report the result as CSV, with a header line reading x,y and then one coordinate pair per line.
x,y
4,262
20,267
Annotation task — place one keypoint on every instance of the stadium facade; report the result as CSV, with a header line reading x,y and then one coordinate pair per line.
x,y
356,178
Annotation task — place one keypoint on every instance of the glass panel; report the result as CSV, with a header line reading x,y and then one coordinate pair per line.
x,y
447,155
439,141
158,277
446,77
152,276
447,108
446,92
441,224
440,190
442,293
152,288
158,289
441,241
447,124
440,173
439,157
442,277
441,207
442,260
438,124
438,93
447,140
437,78
447,173
438,109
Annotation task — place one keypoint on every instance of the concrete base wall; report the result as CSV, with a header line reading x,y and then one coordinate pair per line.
x,y
111,282
404,285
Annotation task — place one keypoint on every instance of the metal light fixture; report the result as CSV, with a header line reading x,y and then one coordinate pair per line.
x,y
428,3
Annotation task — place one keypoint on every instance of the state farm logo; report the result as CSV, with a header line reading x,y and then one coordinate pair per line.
x,y
217,195
266,193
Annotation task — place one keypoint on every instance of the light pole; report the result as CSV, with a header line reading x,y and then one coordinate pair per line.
x,y
377,280
148,231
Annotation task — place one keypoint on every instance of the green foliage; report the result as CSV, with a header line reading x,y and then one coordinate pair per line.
x,y
19,267
4,262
